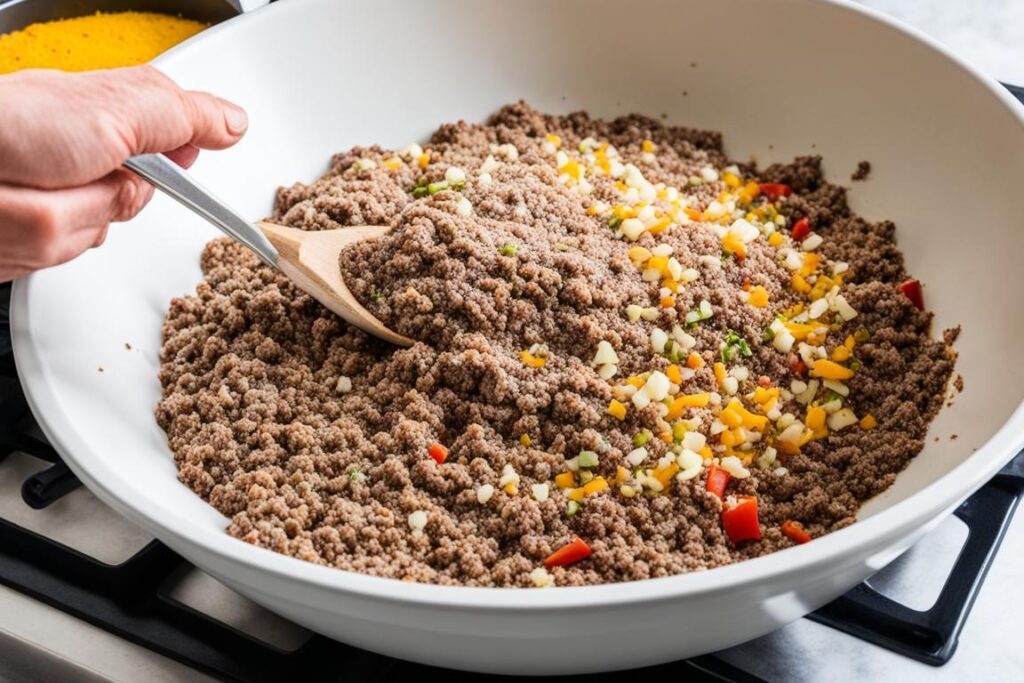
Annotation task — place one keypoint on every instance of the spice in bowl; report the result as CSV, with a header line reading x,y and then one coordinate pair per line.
x,y
99,41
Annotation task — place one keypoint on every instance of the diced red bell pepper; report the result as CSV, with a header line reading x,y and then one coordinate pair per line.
x,y
798,367
801,229
568,554
912,289
438,453
775,190
739,519
794,531
717,480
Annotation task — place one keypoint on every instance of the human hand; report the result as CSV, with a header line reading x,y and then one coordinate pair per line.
x,y
63,138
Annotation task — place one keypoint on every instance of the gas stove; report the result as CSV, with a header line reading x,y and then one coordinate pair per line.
x,y
85,595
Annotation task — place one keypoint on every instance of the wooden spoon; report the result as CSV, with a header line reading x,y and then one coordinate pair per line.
x,y
309,259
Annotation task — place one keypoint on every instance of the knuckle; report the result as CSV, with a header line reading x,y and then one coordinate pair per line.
x,y
132,196
148,75
101,236
46,224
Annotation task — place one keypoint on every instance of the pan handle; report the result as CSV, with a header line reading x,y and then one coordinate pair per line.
x,y
250,5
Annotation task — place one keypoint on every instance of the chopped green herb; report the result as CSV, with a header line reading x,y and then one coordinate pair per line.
x,y
572,507
376,295
769,334
861,335
831,395
588,459
459,186
614,222
855,364
695,316
561,246
434,188
356,475
735,344
509,249
694,180
642,438
421,189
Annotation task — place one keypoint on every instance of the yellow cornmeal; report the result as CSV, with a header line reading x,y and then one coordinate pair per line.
x,y
100,41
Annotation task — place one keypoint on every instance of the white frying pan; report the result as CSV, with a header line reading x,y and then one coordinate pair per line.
x,y
779,78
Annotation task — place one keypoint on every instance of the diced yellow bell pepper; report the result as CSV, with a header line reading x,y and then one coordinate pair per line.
x,y
729,438
595,485
815,421
758,297
572,169
531,360
664,474
800,284
719,372
732,242
617,410
800,331
811,263
565,480
659,263
840,353
827,369
695,400
659,226
736,411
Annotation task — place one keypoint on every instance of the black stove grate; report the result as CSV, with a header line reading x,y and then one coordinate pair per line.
x,y
131,599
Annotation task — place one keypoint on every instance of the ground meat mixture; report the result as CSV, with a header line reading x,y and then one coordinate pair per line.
x,y
626,346
862,172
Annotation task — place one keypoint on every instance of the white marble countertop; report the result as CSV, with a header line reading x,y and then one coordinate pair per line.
x,y
987,33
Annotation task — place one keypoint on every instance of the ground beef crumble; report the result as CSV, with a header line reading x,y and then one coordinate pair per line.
x,y
862,172
313,437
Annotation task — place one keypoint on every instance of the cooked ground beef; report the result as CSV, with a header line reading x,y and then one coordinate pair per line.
x,y
314,438
862,172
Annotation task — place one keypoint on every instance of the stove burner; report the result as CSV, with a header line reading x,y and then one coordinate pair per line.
x,y
133,601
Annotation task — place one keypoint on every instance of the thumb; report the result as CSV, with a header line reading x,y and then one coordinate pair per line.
x,y
159,116
215,122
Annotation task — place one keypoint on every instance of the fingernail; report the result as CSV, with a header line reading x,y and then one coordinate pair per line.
x,y
236,118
